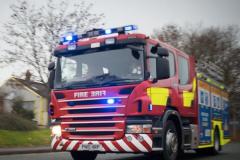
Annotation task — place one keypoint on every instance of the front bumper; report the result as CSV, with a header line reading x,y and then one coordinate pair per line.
x,y
130,143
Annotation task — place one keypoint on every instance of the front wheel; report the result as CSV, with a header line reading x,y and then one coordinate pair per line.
x,y
170,142
76,155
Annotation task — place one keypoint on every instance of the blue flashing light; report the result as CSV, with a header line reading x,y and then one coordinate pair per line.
x,y
110,101
130,28
108,31
71,37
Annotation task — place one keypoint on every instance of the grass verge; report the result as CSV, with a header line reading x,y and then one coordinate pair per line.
x,y
34,138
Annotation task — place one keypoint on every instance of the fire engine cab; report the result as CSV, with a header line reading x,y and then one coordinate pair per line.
x,y
114,91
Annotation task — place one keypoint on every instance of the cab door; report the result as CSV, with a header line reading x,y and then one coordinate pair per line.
x,y
187,85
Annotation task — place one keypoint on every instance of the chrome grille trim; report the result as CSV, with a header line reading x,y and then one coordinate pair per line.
x,y
91,122
97,130
91,107
91,138
86,99
91,115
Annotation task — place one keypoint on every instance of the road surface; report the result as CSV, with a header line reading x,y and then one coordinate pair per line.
x,y
230,152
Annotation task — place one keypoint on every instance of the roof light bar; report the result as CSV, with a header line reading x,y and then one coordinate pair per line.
x,y
69,37
72,37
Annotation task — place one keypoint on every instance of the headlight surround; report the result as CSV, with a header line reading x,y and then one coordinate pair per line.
x,y
139,128
56,130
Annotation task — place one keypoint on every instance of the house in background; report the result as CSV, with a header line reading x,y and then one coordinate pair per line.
x,y
33,94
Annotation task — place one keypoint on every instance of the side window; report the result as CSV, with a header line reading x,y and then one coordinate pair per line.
x,y
152,63
153,67
171,64
183,70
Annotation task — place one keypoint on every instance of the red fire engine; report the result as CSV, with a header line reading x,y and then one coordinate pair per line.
x,y
119,92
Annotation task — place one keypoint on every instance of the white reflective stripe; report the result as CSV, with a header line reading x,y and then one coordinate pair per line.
x,y
147,139
110,146
54,140
71,145
136,143
124,145
61,144
85,142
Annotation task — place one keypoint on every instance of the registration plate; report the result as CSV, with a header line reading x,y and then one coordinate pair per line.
x,y
91,147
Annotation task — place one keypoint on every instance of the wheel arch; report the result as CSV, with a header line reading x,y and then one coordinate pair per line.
x,y
174,116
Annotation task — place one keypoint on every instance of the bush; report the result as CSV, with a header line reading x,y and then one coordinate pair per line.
x,y
19,110
15,122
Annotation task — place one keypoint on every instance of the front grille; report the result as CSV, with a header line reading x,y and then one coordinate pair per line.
x,y
97,110
92,125
92,133
87,102
92,119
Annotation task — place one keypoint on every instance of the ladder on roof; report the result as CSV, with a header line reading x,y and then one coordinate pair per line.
x,y
211,70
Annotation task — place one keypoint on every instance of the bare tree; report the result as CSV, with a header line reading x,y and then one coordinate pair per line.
x,y
32,33
171,34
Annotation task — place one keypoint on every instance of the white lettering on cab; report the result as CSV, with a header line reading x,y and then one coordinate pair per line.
x,y
91,94
98,93
80,94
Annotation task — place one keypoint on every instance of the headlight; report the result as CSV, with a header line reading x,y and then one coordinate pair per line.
x,y
140,128
56,130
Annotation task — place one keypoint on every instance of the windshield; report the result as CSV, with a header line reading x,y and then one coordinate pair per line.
x,y
102,68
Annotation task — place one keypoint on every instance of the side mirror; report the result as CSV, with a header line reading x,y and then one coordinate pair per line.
x,y
51,68
163,71
162,52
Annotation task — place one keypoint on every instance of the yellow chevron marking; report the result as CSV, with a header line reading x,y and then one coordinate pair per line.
x,y
159,96
188,97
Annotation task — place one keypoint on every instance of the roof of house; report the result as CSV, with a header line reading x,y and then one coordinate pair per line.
x,y
39,88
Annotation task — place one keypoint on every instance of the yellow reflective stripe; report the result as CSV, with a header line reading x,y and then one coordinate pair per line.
x,y
219,124
222,140
159,96
188,97
194,85
225,141
205,146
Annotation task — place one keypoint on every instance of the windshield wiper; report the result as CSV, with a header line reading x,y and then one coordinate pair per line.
x,y
117,81
84,84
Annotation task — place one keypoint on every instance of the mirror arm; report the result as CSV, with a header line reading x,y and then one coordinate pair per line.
x,y
152,56
155,80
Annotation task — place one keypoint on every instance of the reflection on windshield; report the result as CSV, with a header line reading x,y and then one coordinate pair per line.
x,y
101,68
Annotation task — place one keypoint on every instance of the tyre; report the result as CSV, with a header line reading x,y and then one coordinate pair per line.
x,y
216,143
216,146
76,155
170,141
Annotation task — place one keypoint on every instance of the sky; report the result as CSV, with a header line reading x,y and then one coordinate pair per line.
x,y
147,15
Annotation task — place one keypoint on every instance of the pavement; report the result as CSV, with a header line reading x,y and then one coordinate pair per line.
x,y
230,152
